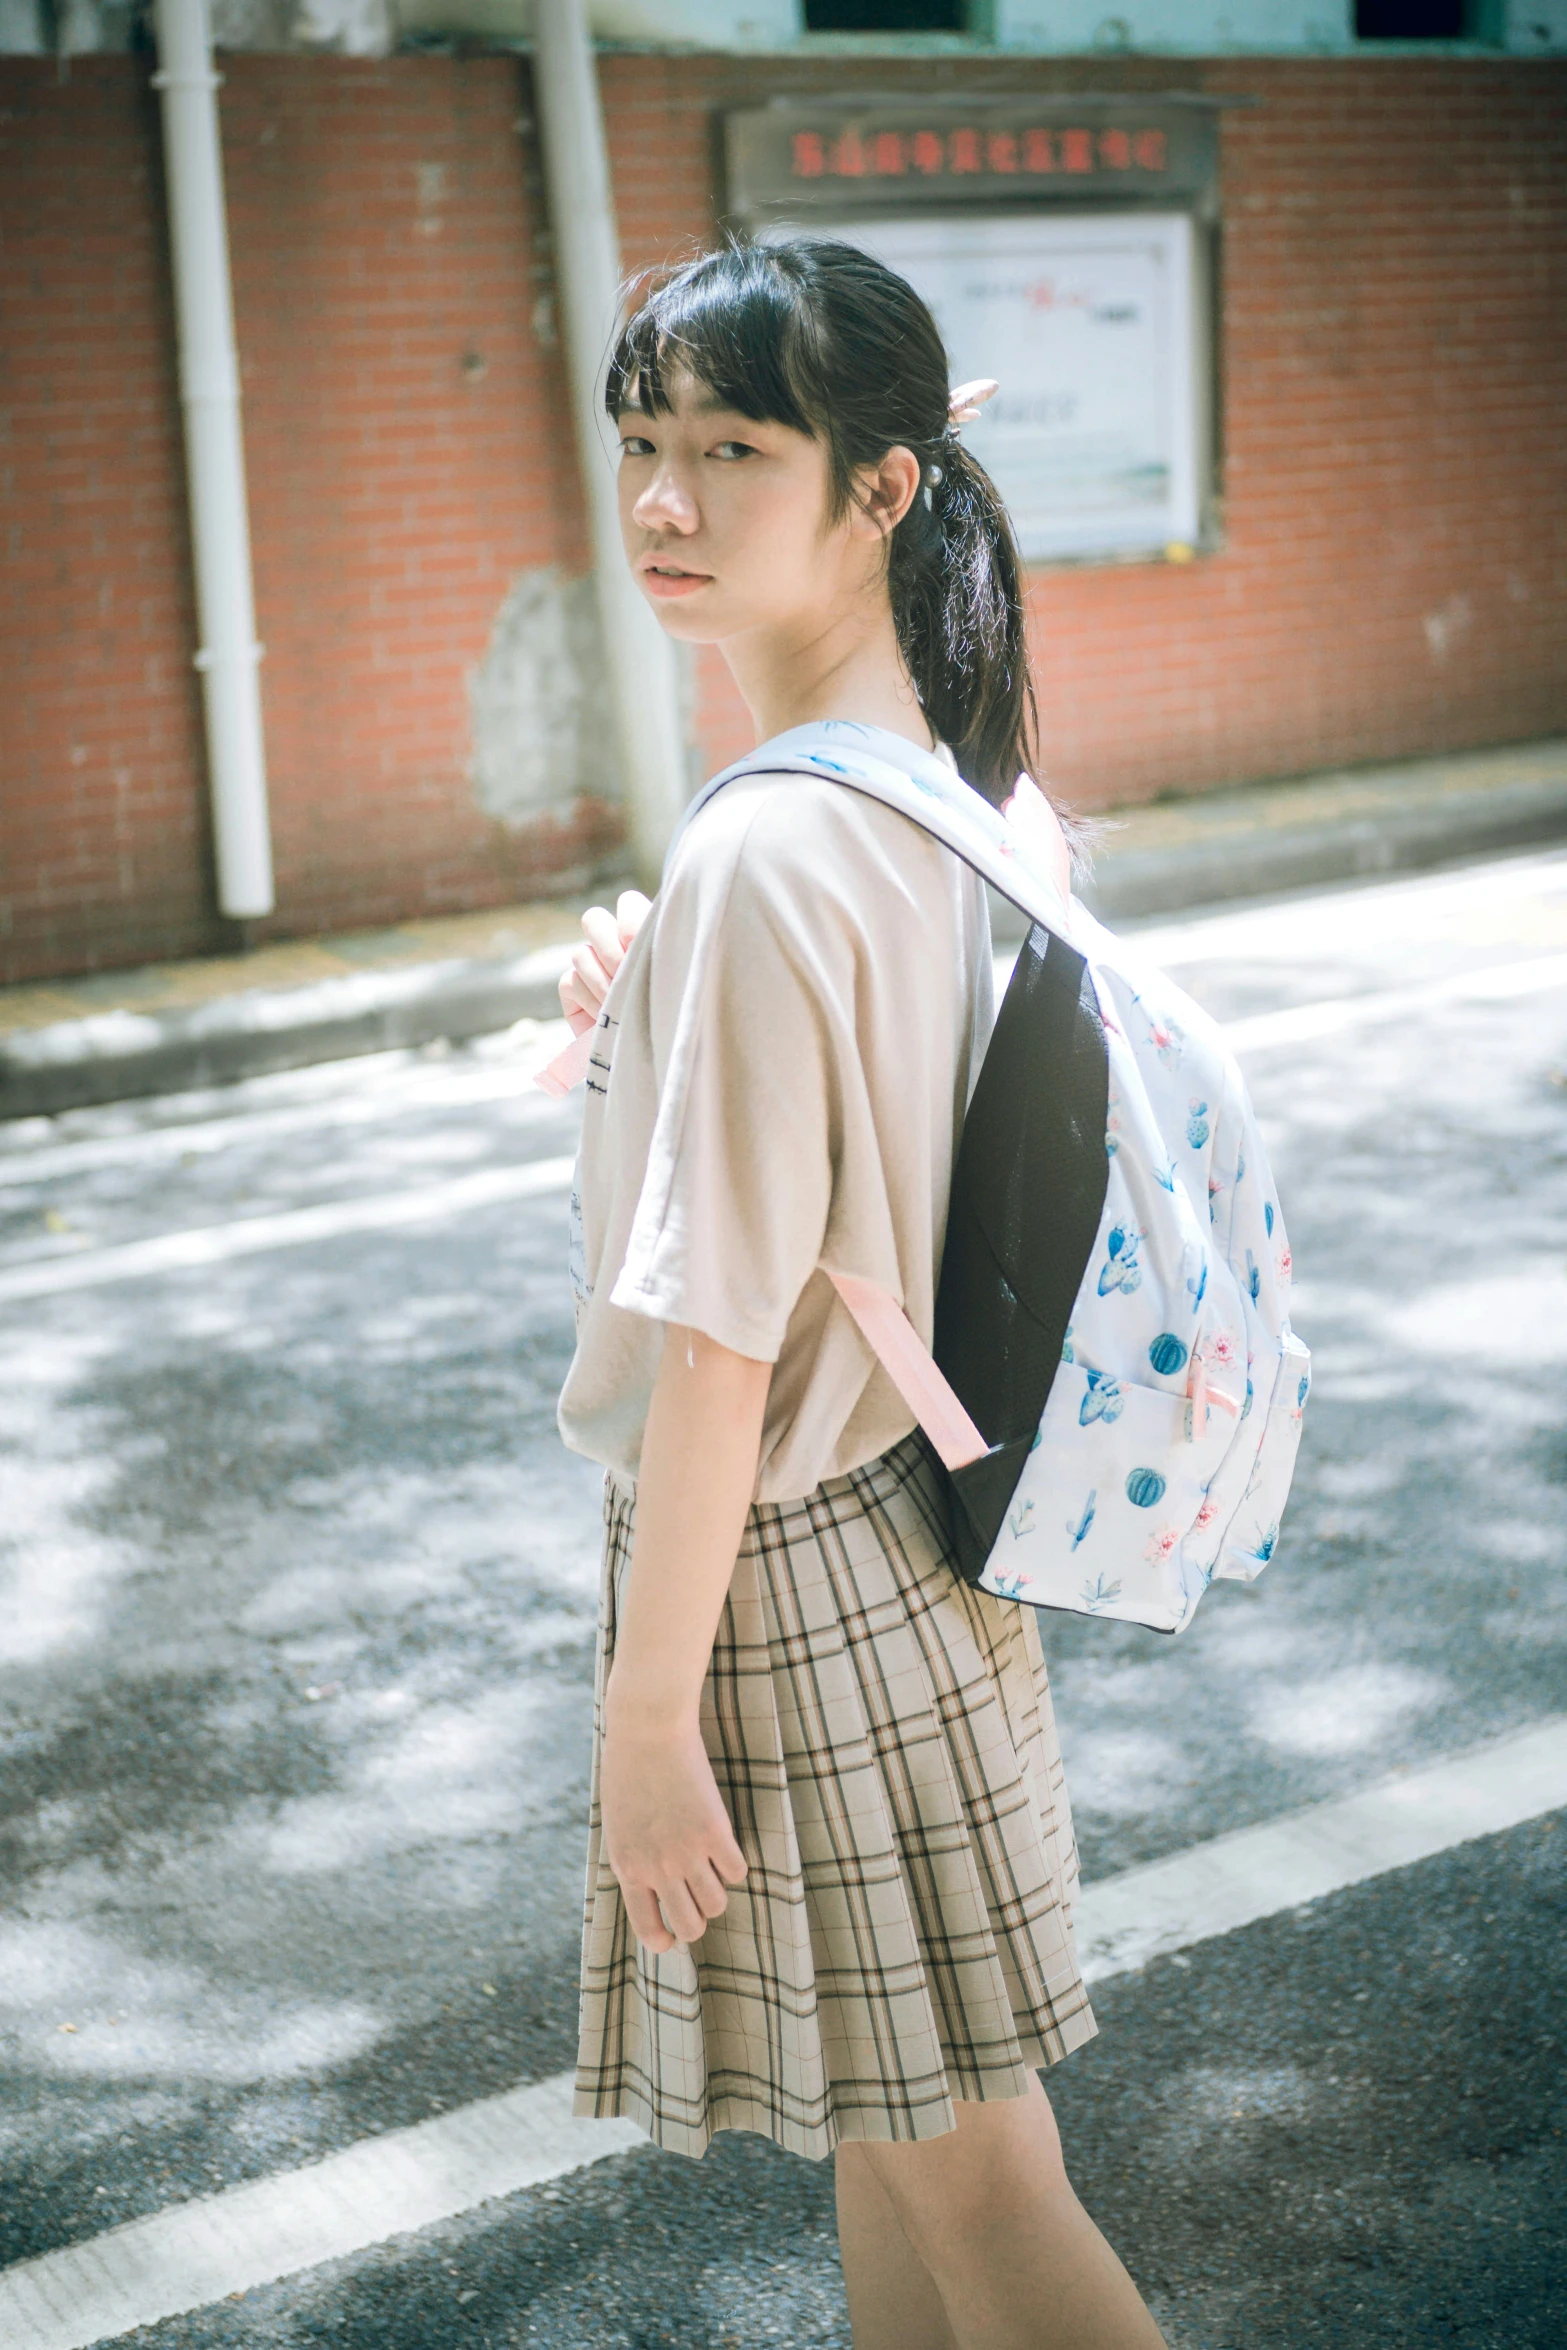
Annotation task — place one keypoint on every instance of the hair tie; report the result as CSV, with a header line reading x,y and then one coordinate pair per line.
x,y
968,399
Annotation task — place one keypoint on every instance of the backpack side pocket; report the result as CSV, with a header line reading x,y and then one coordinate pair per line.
x,y
1253,1533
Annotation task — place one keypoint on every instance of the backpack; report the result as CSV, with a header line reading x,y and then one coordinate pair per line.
x,y
1114,1392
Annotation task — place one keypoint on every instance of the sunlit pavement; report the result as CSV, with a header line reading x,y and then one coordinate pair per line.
x,y
295,1646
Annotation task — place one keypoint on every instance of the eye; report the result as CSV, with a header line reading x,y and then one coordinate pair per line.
x,y
728,452
633,445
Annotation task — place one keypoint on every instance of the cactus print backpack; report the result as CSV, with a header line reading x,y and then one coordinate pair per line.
x,y
1115,1391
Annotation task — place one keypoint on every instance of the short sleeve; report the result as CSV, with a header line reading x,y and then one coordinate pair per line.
x,y
730,1220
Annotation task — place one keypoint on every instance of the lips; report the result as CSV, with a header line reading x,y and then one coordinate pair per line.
x,y
666,580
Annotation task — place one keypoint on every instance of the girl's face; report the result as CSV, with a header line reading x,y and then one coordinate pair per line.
x,y
725,520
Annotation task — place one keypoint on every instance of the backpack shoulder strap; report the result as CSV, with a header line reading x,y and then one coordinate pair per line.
x,y
1028,867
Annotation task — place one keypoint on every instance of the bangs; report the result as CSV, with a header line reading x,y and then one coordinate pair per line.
x,y
734,324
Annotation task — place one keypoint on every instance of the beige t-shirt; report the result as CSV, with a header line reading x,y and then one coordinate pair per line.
x,y
779,1078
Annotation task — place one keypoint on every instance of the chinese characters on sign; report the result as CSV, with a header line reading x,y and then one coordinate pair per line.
x,y
913,154
1036,150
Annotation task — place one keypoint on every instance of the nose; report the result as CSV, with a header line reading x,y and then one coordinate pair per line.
x,y
665,503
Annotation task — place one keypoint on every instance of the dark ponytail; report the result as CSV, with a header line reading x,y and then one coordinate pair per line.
x,y
828,340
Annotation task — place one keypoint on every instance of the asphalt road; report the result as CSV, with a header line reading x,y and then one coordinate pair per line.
x,y
296,1605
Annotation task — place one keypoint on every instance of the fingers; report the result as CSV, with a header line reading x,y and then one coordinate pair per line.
x,y
604,939
631,911
581,1016
647,1922
685,1919
705,1890
591,973
680,1910
727,1858
661,1917
594,964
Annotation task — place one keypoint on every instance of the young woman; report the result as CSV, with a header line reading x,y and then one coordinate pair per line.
x,y
831,1866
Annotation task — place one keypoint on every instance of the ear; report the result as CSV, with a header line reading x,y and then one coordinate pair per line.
x,y
889,489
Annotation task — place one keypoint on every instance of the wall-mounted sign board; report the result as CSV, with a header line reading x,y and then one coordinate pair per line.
x,y
1061,246
1087,325
903,155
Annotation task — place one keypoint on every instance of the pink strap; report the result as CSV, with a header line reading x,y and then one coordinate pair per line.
x,y
568,1068
1202,1396
893,1340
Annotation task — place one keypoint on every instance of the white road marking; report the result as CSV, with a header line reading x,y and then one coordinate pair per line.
x,y
1419,907
384,1085
197,2253
1253,1873
380,1086
214,1244
1301,1023
1330,1015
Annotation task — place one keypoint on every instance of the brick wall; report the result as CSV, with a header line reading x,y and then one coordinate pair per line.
x,y
404,429
1391,579
103,834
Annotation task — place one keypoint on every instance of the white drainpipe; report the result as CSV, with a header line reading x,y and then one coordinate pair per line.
x,y
642,679
214,458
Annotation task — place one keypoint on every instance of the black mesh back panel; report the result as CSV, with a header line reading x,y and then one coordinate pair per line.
x,y
1028,1191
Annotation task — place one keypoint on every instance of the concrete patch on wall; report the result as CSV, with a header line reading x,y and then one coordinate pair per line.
x,y
543,740
1447,626
262,25
346,28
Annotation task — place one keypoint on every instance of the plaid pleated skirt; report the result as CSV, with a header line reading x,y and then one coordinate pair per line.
x,y
883,1737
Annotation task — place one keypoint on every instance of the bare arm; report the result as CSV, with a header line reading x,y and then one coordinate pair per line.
x,y
667,1835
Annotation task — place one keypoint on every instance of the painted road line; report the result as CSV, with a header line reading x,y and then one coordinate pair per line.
x,y
216,1244
1413,910
1302,1023
1331,1015
198,2253
297,1227
200,1137
390,1092
1254,1873
379,1086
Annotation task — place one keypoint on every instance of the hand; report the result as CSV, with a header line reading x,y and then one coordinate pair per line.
x,y
667,1835
594,964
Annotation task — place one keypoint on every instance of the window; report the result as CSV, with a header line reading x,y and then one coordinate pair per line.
x,y
886,16
1415,20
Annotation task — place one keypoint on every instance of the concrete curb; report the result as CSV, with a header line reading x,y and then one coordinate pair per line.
x,y
1411,839
116,1056
1230,845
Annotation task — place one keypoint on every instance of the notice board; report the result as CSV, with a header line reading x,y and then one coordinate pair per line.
x,y
1087,323
1064,248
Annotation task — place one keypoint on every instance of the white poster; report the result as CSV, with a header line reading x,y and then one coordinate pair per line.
x,y
1086,323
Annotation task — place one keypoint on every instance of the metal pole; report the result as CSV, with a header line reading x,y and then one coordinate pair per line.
x,y
642,680
214,458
